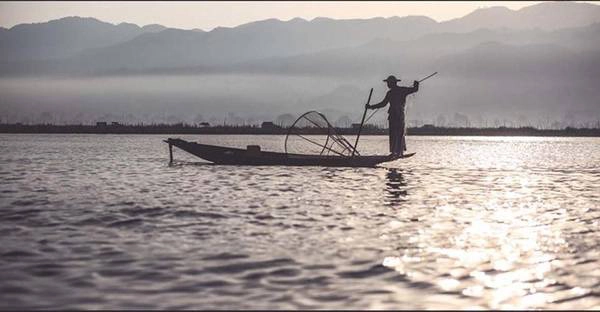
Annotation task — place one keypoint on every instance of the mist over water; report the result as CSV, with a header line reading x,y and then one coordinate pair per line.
x,y
253,98
102,222
163,98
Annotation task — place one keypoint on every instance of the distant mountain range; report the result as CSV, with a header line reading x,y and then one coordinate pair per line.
x,y
64,38
547,15
76,45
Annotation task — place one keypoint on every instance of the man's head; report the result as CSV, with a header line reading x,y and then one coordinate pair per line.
x,y
391,81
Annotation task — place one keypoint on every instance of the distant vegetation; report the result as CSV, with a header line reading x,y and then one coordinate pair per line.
x,y
270,128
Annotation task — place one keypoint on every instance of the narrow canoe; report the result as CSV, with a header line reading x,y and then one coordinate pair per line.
x,y
255,157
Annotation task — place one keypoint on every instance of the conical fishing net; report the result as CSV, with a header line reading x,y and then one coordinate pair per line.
x,y
312,134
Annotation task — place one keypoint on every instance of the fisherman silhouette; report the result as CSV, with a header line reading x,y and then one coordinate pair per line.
x,y
396,97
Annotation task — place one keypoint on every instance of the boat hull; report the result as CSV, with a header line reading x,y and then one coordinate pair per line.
x,y
235,156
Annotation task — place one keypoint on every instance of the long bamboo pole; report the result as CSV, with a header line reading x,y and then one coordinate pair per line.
x,y
362,122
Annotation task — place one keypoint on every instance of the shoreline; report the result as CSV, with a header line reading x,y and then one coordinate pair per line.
x,y
254,130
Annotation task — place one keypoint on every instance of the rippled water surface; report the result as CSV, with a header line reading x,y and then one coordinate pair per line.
x,y
102,221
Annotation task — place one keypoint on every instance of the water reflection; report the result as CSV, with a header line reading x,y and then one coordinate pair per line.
x,y
455,227
396,187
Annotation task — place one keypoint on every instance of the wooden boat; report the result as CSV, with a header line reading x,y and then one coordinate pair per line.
x,y
252,155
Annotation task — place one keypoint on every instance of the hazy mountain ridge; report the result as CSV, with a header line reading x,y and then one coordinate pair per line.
x,y
247,42
546,15
437,51
127,46
374,56
64,38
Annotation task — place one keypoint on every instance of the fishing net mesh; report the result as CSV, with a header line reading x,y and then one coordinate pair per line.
x,y
312,134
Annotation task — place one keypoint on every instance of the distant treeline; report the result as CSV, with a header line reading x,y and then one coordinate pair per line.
x,y
254,129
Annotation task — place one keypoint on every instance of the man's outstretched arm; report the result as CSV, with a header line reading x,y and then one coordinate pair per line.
x,y
382,103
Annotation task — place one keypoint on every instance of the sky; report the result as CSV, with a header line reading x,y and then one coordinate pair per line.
x,y
207,15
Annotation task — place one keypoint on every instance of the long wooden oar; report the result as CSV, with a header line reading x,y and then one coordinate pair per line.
x,y
362,122
375,111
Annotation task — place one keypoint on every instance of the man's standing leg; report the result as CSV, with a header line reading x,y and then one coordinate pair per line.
x,y
402,130
401,139
393,133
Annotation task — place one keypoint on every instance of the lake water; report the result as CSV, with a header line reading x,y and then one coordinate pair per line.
x,y
102,221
